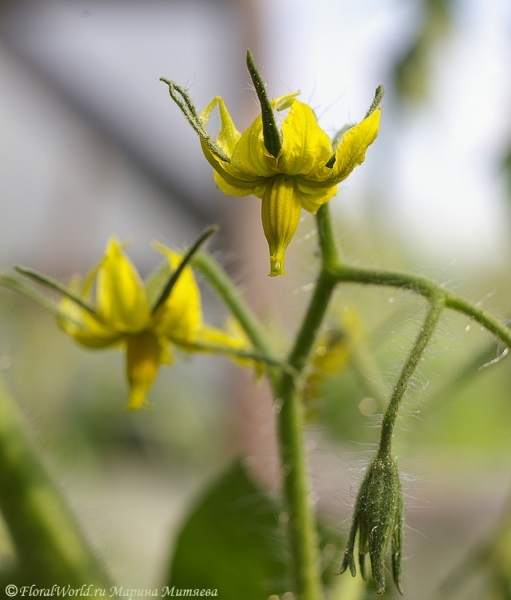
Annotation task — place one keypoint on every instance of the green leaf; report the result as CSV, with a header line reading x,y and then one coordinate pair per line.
x,y
232,542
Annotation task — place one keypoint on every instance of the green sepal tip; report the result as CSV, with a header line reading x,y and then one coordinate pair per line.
x,y
271,133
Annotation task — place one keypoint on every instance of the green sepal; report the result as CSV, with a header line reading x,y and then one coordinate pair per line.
x,y
56,286
171,281
378,97
19,286
271,133
183,100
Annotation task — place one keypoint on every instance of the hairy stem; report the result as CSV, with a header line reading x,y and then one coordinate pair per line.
x,y
436,307
296,481
428,289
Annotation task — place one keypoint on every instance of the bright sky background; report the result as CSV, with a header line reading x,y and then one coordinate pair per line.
x,y
438,165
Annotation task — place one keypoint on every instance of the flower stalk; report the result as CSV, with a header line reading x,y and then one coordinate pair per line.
x,y
435,310
378,517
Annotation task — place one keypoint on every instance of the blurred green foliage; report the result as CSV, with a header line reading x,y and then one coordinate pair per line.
x,y
412,72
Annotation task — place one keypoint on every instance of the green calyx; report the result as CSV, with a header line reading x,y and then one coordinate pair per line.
x,y
378,521
271,133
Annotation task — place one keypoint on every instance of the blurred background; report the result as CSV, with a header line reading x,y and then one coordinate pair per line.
x,y
93,146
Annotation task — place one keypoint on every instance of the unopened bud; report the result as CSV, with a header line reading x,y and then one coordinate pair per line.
x,y
378,520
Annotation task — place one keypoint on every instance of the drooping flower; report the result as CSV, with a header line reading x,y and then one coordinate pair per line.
x,y
294,167
126,312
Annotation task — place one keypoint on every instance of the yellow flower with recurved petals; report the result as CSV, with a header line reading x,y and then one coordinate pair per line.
x,y
298,177
125,314
294,167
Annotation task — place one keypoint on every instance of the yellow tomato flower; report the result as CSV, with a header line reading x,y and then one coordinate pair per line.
x,y
122,315
292,167
298,177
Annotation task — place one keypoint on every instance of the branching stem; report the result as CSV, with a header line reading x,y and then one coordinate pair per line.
x,y
285,376
428,289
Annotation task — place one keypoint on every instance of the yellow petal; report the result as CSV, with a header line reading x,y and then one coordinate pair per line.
x,y
311,198
250,159
234,338
90,333
229,135
306,146
143,357
180,316
280,215
229,179
284,102
218,337
121,297
352,148
81,325
230,186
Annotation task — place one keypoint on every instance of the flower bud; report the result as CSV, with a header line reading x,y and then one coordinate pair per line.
x,y
378,520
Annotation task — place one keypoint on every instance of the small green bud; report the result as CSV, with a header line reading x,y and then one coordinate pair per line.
x,y
378,520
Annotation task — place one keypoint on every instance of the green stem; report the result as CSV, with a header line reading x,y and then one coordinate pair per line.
x,y
301,523
49,548
424,336
428,289
239,353
228,292
330,253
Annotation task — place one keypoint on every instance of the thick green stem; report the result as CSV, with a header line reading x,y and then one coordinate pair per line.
x,y
424,336
296,487
301,523
49,548
330,252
